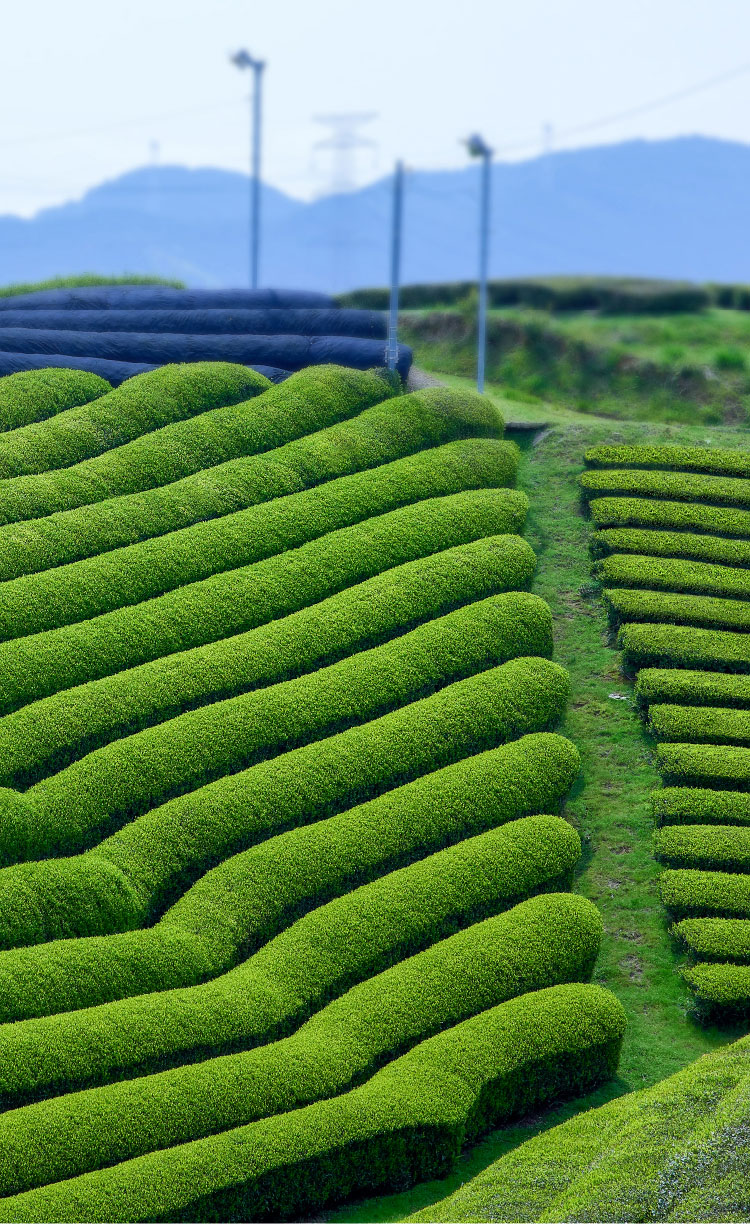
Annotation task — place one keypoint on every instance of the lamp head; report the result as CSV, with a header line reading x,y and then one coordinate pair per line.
x,y
477,147
243,59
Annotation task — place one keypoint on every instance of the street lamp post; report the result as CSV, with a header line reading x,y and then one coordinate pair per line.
x,y
243,59
477,147
391,351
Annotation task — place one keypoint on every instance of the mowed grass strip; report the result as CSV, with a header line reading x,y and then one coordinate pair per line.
x,y
70,593
140,869
310,400
240,599
542,942
249,897
379,435
34,395
313,961
139,405
48,734
74,808
560,1041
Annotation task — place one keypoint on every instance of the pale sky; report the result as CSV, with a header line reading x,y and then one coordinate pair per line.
x,y
91,88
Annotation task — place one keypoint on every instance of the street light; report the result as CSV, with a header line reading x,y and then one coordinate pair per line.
x,y
243,59
477,147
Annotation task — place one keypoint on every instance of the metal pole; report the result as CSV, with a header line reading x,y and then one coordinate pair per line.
x,y
391,350
255,184
484,251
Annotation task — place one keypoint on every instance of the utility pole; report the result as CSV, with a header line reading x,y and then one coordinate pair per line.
x,y
391,350
477,147
243,59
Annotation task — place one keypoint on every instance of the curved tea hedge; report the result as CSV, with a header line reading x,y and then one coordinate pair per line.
x,y
687,544
147,402
540,943
691,688
684,646
699,610
705,724
249,897
677,515
85,589
48,734
715,939
714,459
212,320
310,400
675,486
712,762
281,781
136,871
129,776
674,574
240,599
301,969
378,436
674,1151
693,805
711,846
38,394
449,1089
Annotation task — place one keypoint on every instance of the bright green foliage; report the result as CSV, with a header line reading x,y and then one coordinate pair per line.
x,y
311,962
699,610
679,762
141,867
540,943
141,404
449,1089
690,892
34,395
671,574
240,599
715,939
679,486
125,778
680,458
682,516
705,724
686,544
674,1151
48,734
310,400
99,584
691,688
248,898
378,436
684,647
723,847
722,993
693,805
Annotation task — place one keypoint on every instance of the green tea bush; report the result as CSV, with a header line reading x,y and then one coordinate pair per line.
x,y
123,779
407,1123
682,516
671,544
69,593
141,404
240,599
683,646
309,400
713,846
711,459
694,805
721,991
250,897
679,486
694,688
688,892
48,734
139,869
34,395
378,436
698,610
671,574
539,943
701,725
311,962
713,762
715,939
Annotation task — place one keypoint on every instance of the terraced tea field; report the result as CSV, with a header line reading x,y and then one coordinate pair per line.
x,y
284,879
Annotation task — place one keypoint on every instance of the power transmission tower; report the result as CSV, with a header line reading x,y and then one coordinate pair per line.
x,y
343,143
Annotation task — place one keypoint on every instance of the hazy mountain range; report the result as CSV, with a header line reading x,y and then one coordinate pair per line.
x,y
673,208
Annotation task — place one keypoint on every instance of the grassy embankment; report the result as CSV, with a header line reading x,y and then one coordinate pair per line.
x,y
610,804
85,280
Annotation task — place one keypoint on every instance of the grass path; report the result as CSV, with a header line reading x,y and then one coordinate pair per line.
x,y
609,805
